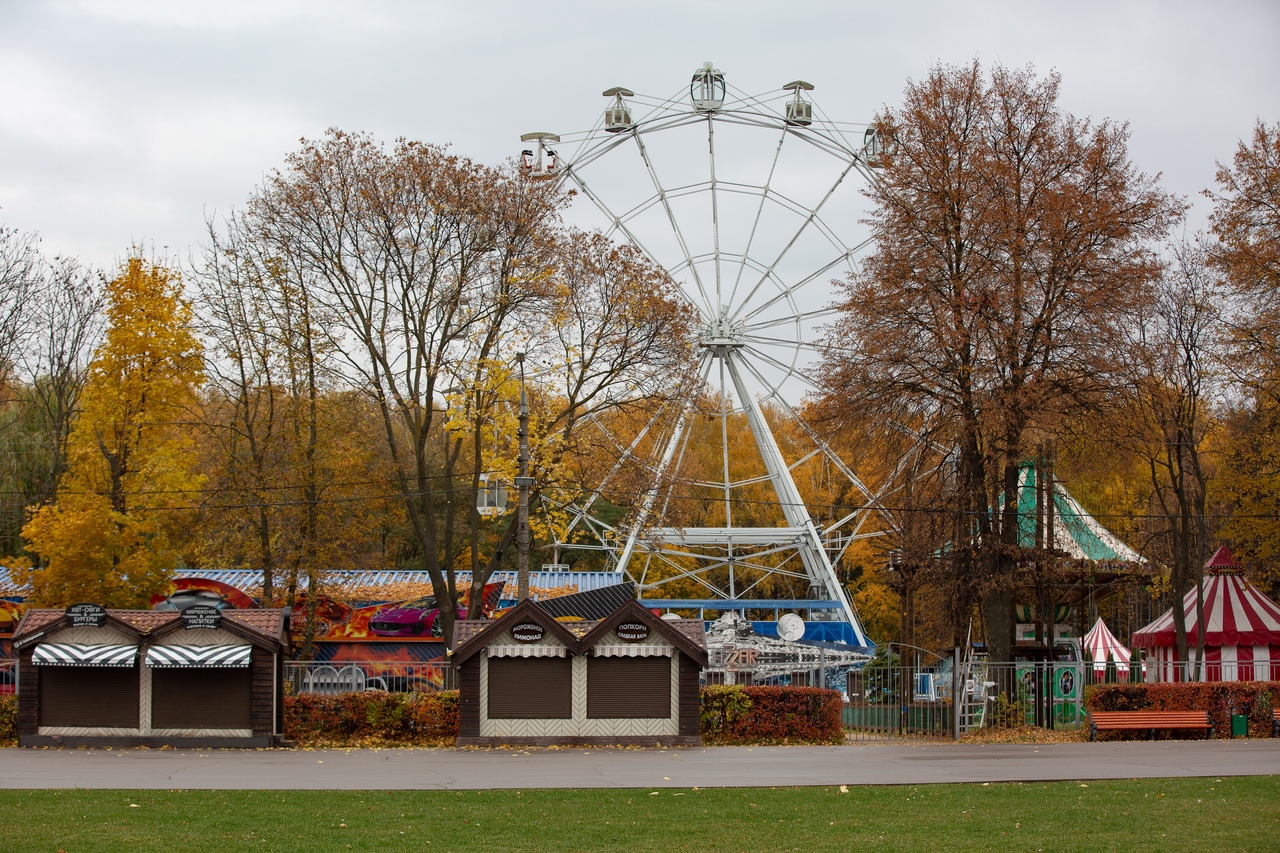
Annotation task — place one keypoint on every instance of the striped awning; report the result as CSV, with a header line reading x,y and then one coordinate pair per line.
x,y
202,656
527,651
76,654
631,650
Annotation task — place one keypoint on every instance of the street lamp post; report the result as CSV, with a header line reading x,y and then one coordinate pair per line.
x,y
523,482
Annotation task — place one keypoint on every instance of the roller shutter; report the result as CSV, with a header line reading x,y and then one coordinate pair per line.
x,y
95,696
628,688
530,688
200,698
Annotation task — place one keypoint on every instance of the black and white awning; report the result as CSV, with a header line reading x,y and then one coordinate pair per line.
x,y
199,656
76,654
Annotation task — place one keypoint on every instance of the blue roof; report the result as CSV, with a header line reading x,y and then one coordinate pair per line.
x,y
252,578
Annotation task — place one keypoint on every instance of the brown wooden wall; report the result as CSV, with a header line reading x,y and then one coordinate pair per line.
x,y
264,690
623,688
469,698
28,694
690,696
530,688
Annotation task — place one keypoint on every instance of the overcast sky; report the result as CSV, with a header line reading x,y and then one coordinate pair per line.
x,y
127,121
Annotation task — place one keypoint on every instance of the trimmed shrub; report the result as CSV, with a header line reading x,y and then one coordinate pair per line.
x,y
372,718
771,715
729,715
8,720
1221,699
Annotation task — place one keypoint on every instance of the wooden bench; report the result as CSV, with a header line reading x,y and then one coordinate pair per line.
x,y
1149,721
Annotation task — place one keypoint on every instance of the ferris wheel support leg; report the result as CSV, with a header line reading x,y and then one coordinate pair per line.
x,y
651,496
812,554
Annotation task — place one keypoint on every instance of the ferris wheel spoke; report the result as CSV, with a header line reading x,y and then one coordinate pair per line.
x,y
765,340
788,291
788,369
724,447
618,224
715,208
675,227
627,454
791,319
697,575
804,226
755,223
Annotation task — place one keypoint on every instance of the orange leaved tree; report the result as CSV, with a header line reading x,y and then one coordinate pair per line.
x,y
108,537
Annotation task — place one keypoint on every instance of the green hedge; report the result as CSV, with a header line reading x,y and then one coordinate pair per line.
x,y
372,718
1220,698
8,720
729,715
771,715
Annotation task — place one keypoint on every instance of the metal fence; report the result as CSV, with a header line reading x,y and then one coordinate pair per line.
x,y
888,698
8,677
357,676
897,695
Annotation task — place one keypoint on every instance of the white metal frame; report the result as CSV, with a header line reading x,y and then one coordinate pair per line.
x,y
753,350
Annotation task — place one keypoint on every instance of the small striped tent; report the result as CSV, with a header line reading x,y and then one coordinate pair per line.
x,y
1100,645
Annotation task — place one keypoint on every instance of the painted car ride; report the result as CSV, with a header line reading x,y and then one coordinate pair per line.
x,y
419,616
410,618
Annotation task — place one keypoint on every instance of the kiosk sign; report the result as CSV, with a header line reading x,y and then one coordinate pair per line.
x,y
201,616
87,615
527,632
632,632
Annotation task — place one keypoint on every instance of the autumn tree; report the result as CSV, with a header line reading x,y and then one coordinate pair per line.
x,y
1167,419
433,272
51,336
1010,239
109,537
1246,223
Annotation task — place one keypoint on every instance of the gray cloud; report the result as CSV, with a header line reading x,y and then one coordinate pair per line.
x,y
128,121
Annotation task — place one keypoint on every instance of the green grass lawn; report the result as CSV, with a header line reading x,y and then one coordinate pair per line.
x,y
1216,815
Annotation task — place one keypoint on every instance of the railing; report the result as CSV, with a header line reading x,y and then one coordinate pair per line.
x,y
8,677
356,676
904,693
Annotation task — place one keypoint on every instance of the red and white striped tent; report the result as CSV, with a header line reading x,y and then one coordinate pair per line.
x,y
1242,633
1100,644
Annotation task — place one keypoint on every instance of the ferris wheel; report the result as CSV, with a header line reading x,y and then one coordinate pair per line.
x,y
748,202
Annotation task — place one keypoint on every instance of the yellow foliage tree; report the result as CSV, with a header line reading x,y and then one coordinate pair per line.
x,y
109,535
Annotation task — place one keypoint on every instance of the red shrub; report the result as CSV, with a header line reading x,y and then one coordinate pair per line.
x,y
8,720
771,715
373,717
1220,698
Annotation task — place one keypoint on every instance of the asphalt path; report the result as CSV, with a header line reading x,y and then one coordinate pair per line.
x,y
709,767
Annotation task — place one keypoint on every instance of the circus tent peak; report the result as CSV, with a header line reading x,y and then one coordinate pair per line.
x,y
1223,562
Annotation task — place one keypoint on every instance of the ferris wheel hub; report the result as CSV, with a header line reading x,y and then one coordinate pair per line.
x,y
722,333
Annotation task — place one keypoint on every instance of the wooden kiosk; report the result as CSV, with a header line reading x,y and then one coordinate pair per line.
x,y
196,677
528,679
